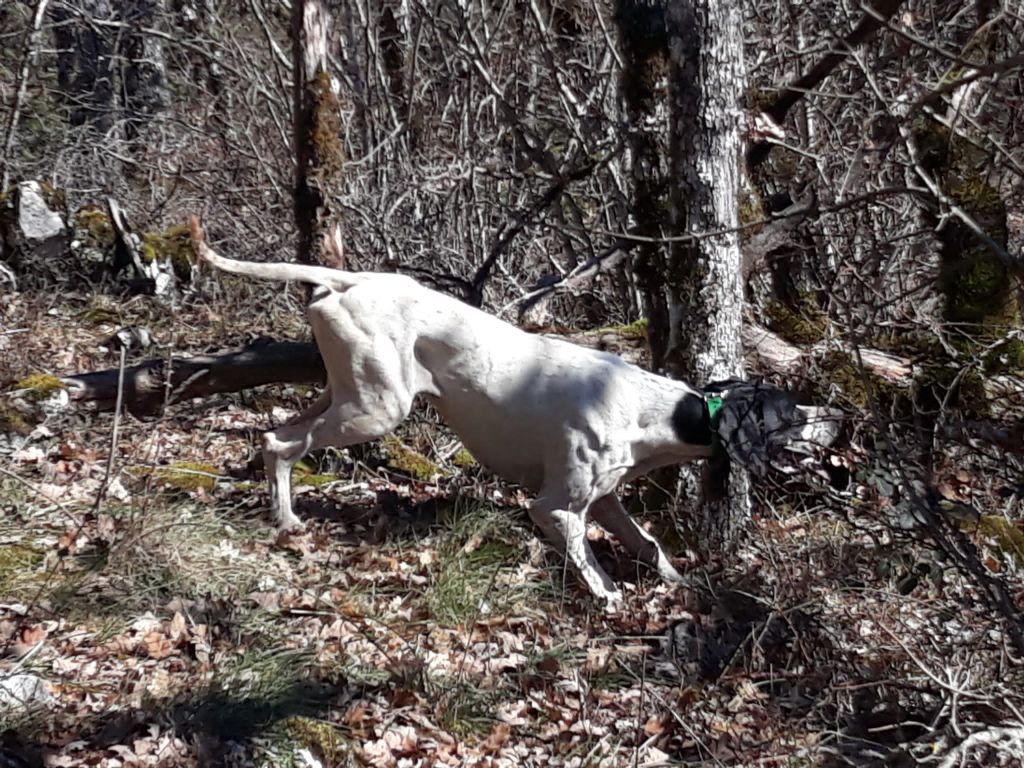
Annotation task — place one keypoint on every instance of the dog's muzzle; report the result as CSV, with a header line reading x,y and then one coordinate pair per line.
x,y
757,425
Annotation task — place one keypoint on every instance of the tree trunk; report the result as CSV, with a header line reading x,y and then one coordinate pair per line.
x,y
21,86
145,77
703,287
319,151
85,63
645,63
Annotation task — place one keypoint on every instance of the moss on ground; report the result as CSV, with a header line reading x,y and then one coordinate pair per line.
x,y
840,370
979,289
463,459
635,330
183,476
405,459
93,227
13,421
18,562
319,736
1004,534
38,386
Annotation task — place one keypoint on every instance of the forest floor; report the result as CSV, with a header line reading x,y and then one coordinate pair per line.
x,y
149,614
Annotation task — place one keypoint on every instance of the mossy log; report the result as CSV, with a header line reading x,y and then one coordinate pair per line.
x,y
768,350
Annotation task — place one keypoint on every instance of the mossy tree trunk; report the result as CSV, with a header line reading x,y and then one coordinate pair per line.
x,y
317,128
977,279
702,282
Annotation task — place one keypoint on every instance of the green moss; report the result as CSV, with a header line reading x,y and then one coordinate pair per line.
x,y
1007,357
943,384
464,459
101,310
38,386
16,562
319,736
977,196
406,460
184,476
304,475
1007,537
979,289
635,330
805,324
13,421
840,370
93,227
174,245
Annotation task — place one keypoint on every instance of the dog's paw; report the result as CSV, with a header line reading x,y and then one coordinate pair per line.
x,y
290,525
291,528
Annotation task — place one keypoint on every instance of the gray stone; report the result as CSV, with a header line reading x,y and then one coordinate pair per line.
x,y
37,222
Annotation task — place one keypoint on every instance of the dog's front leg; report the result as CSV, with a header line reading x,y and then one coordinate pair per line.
x,y
566,529
610,515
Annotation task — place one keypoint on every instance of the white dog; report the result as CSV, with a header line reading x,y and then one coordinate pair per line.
x,y
568,423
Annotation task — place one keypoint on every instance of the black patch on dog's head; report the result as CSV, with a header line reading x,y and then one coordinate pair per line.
x,y
690,420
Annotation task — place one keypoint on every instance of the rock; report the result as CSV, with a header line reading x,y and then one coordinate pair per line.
x,y
37,222
22,691
35,238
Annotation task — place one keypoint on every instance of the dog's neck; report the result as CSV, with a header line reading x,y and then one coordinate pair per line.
x,y
692,420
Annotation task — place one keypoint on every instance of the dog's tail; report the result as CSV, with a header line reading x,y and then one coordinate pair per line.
x,y
301,273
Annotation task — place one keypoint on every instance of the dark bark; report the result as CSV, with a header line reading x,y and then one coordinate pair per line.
x,y
151,384
145,79
85,62
645,62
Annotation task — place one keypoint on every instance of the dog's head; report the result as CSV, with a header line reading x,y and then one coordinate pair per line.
x,y
758,424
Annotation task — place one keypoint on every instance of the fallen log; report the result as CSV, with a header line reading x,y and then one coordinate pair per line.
x,y
152,384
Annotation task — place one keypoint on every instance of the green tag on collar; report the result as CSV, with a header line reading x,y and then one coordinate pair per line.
x,y
714,404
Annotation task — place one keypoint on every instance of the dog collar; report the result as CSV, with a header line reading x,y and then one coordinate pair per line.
x,y
714,405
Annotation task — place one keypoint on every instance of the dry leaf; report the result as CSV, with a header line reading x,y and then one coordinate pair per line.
x,y
157,645
497,737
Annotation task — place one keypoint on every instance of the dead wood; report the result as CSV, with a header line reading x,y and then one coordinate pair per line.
x,y
155,382
151,384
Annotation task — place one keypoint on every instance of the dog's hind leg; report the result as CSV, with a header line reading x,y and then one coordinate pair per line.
x,y
566,529
610,515
338,425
